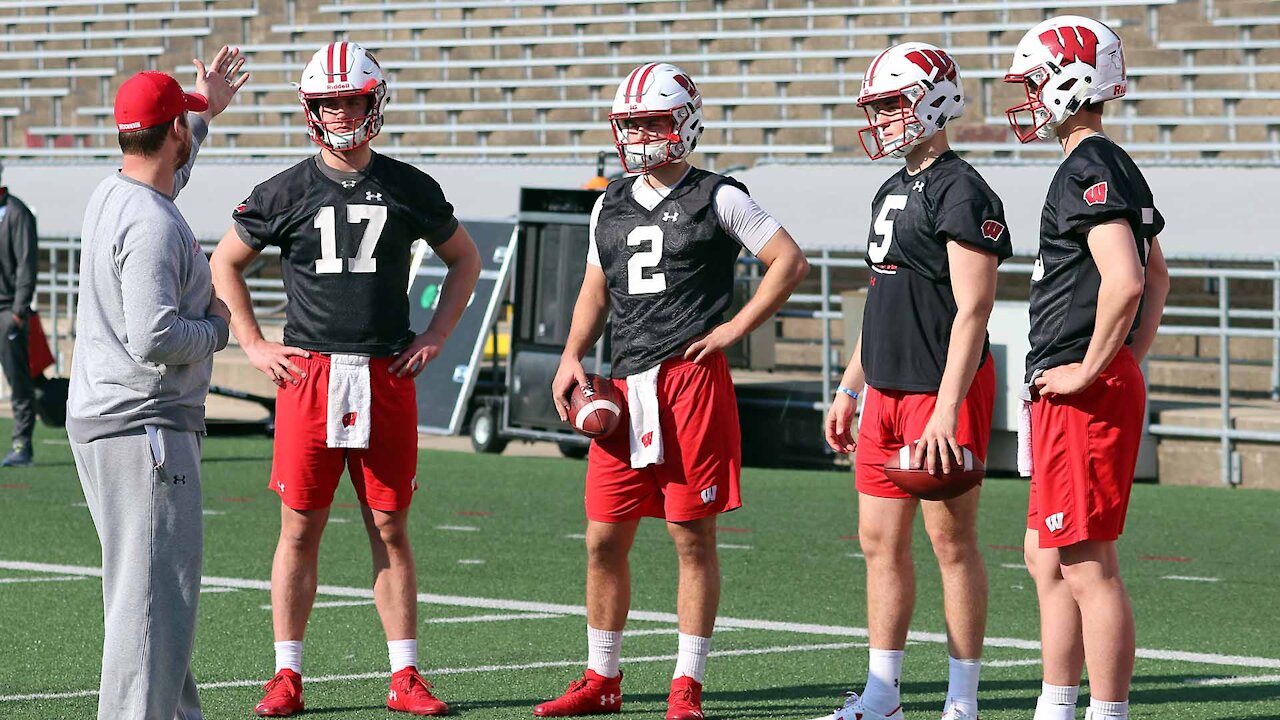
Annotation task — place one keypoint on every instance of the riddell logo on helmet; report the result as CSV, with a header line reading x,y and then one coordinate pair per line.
x,y
934,62
1072,44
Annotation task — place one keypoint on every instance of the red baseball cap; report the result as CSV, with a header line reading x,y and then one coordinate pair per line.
x,y
153,98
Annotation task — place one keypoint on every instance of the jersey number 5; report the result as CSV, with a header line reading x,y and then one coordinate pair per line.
x,y
884,228
637,283
364,261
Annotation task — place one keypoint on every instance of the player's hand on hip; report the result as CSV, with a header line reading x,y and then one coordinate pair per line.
x,y
569,375
720,337
220,80
937,444
273,360
1063,380
424,348
839,425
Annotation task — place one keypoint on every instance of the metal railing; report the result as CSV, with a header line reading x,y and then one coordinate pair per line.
x,y
57,289
825,306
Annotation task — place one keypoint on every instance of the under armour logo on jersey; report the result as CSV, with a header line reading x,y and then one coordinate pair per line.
x,y
919,186
348,184
281,486
1096,194
392,695
670,216
370,195
992,230
179,479
1054,522
610,699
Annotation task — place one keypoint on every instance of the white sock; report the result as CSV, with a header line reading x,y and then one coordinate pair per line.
x,y
1118,710
692,660
289,655
604,651
1057,702
884,673
962,685
403,654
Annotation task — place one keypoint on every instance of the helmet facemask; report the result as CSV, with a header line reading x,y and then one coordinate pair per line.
x,y
912,131
1033,119
348,133
653,149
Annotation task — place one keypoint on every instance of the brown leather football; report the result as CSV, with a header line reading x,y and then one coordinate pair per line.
x,y
965,473
595,408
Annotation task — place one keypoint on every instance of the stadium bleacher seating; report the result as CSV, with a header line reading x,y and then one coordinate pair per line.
x,y
535,77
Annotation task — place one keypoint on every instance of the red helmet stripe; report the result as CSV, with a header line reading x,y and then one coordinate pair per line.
x,y
342,60
328,66
643,77
630,81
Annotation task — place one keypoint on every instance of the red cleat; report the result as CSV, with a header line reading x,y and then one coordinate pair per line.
x,y
591,694
685,700
412,694
284,695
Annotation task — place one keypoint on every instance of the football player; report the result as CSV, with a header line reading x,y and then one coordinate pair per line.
x,y
344,220
664,243
922,361
1097,294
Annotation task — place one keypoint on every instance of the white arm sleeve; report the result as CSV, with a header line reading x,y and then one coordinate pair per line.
x,y
593,254
743,219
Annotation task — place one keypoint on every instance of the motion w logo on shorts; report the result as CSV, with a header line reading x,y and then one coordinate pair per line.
x,y
709,495
1054,522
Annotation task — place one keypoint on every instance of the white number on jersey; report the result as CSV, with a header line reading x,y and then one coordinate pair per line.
x,y
884,228
364,261
637,283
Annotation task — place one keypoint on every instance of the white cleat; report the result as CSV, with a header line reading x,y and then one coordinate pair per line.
x,y
854,710
955,713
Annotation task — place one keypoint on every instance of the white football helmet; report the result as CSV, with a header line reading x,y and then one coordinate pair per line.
x,y
925,82
656,90
336,70
1063,63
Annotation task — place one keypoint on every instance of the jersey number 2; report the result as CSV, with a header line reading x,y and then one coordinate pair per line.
x,y
637,283
884,228
364,261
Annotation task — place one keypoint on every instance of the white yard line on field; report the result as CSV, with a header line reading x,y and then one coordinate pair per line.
x,y
666,617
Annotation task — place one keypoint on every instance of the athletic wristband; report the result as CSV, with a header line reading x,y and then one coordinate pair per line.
x,y
848,392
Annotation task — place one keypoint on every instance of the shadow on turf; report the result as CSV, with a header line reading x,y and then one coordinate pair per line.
x,y
816,700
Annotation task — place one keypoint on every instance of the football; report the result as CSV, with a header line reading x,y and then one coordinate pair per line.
x,y
595,408
921,484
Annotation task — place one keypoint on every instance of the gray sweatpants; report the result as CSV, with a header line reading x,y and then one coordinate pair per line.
x,y
144,494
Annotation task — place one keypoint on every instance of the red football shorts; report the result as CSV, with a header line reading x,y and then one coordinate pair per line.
x,y
305,471
1084,450
702,451
893,418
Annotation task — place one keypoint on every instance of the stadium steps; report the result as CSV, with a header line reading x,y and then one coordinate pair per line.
x,y
1198,462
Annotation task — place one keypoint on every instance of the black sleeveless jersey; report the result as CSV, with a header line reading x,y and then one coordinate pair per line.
x,y
906,327
345,251
669,270
1097,183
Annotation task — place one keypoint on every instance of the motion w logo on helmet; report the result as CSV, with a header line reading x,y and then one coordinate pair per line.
x,y
1072,44
935,63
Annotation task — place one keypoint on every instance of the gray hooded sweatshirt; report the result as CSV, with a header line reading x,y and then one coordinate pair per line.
x,y
144,343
